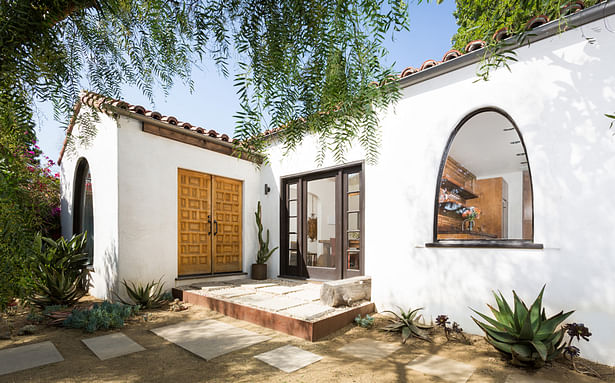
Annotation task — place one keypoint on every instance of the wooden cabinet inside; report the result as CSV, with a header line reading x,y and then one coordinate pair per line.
x,y
459,188
493,202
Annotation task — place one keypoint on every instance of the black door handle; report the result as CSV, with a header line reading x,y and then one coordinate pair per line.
x,y
216,224
209,222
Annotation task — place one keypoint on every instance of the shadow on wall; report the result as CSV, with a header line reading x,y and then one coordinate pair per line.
x,y
108,271
572,156
271,217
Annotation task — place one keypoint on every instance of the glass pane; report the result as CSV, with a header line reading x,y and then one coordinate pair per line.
x,y
320,236
292,191
354,242
353,221
292,241
353,201
292,258
292,225
353,260
88,217
482,190
292,208
354,182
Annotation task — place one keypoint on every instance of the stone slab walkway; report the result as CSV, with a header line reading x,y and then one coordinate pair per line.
x,y
288,358
112,345
28,356
444,368
209,338
369,349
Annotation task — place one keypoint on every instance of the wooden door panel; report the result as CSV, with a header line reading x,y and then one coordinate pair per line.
x,y
227,211
194,208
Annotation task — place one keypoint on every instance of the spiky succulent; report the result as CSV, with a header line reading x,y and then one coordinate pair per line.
x,y
409,324
525,335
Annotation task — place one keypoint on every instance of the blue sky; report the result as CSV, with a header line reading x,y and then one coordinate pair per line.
x,y
214,102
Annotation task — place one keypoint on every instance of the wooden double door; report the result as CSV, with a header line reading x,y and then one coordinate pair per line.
x,y
209,223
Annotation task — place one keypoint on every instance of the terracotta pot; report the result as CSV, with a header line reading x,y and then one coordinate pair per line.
x,y
259,271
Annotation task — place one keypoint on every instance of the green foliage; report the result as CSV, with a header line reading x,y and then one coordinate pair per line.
x,y
366,322
29,203
103,316
409,323
296,59
264,253
479,20
59,270
525,335
150,295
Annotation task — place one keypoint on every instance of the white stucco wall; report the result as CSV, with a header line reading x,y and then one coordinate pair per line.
x,y
557,94
101,155
148,201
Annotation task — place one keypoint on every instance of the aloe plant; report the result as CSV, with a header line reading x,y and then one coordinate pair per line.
x,y
149,296
59,270
524,335
409,324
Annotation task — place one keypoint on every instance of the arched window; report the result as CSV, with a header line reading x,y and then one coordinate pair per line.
x,y
83,216
484,194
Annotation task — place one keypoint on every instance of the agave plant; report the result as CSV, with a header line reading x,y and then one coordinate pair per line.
x,y
151,295
409,323
59,270
524,335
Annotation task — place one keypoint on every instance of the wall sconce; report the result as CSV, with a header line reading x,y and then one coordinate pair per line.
x,y
267,189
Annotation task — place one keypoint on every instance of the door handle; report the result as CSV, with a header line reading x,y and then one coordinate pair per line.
x,y
216,225
209,222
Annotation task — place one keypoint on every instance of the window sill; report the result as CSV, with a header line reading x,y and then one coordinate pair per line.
x,y
493,244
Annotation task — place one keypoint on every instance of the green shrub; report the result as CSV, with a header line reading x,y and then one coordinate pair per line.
x,y
103,315
409,324
366,322
59,271
152,295
526,336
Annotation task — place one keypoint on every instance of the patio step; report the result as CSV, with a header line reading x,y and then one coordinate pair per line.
x,y
282,309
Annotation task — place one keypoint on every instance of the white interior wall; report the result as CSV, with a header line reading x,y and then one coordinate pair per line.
x,y
101,155
557,94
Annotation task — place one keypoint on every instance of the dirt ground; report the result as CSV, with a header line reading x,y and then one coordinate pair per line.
x,y
163,361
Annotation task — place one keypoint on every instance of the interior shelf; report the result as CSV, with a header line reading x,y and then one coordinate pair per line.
x,y
454,188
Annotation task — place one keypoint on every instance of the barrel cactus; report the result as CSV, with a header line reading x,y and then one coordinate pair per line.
x,y
526,336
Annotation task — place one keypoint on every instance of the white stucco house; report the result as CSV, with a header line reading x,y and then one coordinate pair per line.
x,y
530,148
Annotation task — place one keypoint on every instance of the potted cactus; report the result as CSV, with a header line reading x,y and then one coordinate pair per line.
x,y
259,269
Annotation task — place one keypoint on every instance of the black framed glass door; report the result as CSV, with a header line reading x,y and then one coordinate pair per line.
x,y
322,223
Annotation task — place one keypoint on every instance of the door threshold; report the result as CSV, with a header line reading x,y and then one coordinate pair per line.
x,y
215,275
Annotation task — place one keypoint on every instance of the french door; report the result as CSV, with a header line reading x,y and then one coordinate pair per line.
x,y
209,223
322,224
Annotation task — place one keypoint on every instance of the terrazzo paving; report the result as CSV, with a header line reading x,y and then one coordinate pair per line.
x,y
111,346
369,349
28,356
444,368
288,358
209,338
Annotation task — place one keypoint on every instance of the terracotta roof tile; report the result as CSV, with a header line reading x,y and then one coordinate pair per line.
x,y
474,45
429,64
169,120
501,34
450,55
153,114
537,21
